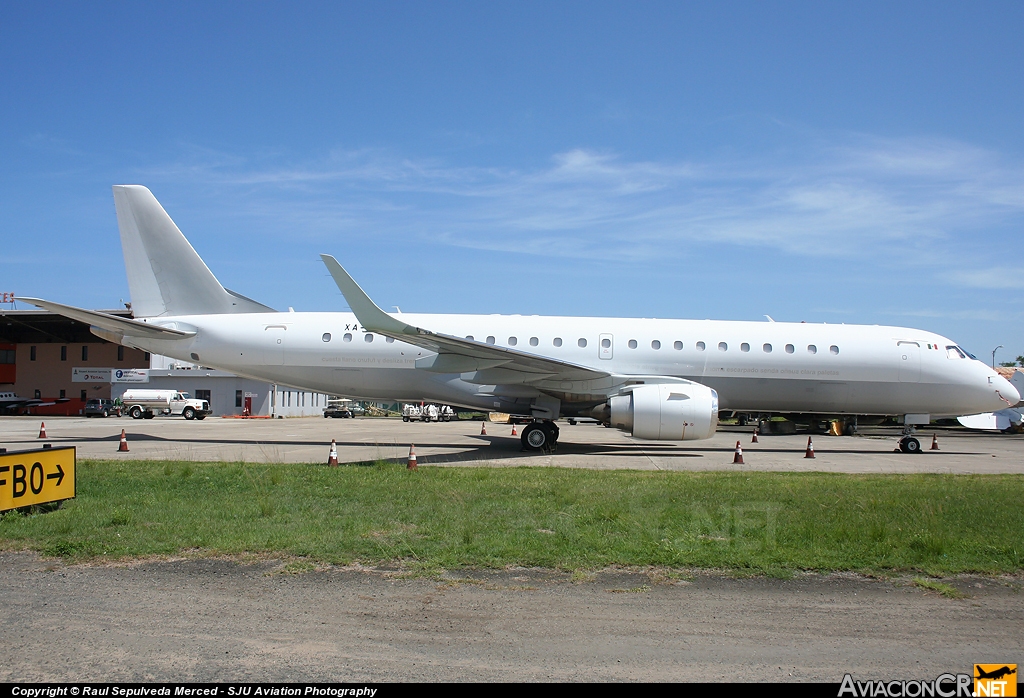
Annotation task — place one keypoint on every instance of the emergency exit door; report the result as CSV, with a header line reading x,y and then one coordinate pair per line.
x,y
273,345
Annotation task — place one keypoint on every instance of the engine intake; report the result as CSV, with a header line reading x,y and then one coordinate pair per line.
x,y
666,411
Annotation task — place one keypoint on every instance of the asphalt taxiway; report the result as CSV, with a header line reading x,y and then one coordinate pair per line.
x,y
585,445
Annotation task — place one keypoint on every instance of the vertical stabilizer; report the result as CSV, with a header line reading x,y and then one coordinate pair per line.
x,y
165,275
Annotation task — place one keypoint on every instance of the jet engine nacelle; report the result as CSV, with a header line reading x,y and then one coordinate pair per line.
x,y
667,411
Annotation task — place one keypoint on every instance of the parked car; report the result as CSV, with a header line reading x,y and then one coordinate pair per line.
x,y
337,411
97,407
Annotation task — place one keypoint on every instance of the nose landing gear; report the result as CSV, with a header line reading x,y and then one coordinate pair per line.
x,y
909,444
540,436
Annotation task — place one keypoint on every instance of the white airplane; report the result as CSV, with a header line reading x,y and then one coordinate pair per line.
x,y
657,379
1007,420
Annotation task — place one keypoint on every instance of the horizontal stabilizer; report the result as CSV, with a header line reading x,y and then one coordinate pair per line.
x,y
113,323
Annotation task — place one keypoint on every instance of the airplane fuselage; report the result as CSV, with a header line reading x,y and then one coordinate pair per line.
x,y
754,366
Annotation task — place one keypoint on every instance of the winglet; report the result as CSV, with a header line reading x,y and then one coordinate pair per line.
x,y
370,316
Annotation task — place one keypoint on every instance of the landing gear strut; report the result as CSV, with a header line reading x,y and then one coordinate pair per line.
x,y
540,436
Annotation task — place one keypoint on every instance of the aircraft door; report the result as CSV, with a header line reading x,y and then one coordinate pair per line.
x,y
273,345
909,354
606,345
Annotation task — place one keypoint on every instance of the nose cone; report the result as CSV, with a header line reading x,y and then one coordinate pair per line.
x,y
1006,391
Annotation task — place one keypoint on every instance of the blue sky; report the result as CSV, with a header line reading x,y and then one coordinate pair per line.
x,y
837,162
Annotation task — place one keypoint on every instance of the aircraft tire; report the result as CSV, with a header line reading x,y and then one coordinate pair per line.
x,y
535,437
909,444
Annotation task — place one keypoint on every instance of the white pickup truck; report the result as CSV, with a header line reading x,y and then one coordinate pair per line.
x,y
145,404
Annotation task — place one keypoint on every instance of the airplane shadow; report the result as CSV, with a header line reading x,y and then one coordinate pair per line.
x,y
486,448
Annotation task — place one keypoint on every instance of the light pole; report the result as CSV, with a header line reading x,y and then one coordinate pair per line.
x,y
994,355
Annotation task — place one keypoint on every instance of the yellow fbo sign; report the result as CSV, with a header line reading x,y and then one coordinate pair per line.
x,y
36,477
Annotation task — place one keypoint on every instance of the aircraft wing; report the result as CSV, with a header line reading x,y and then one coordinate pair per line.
x,y
127,327
487,363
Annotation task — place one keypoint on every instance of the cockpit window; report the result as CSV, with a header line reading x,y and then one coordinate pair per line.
x,y
969,354
953,352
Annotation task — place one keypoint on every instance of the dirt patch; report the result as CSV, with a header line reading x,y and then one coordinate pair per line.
x,y
214,619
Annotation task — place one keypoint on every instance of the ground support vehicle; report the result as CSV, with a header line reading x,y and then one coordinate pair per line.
x,y
424,413
146,404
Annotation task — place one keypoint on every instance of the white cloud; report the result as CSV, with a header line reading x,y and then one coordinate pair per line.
x,y
995,278
922,202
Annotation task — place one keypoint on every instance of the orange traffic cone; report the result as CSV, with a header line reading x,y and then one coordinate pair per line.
x,y
935,443
738,458
483,428
754,439
124,443
332,457
810,449
514,430
412,457
42,430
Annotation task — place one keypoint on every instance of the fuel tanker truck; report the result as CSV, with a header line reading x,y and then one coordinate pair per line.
x,y
145,404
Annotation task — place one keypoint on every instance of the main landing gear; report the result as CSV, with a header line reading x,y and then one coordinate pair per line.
x,y
540,436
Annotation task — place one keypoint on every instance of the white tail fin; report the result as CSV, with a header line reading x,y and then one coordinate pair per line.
x,y
165,275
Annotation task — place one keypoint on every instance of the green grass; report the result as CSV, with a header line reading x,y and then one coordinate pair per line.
x,y
950,592
762,523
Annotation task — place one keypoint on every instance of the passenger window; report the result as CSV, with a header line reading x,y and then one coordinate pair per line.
x,y
347,337
722,346
767,348
470,337
389,340
534,341
790,348
834,349
744,347
700,346
557,341
606,343
582,343
490,339
367,337
512,341
655,344
632,344
811,349
677,346
326,337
